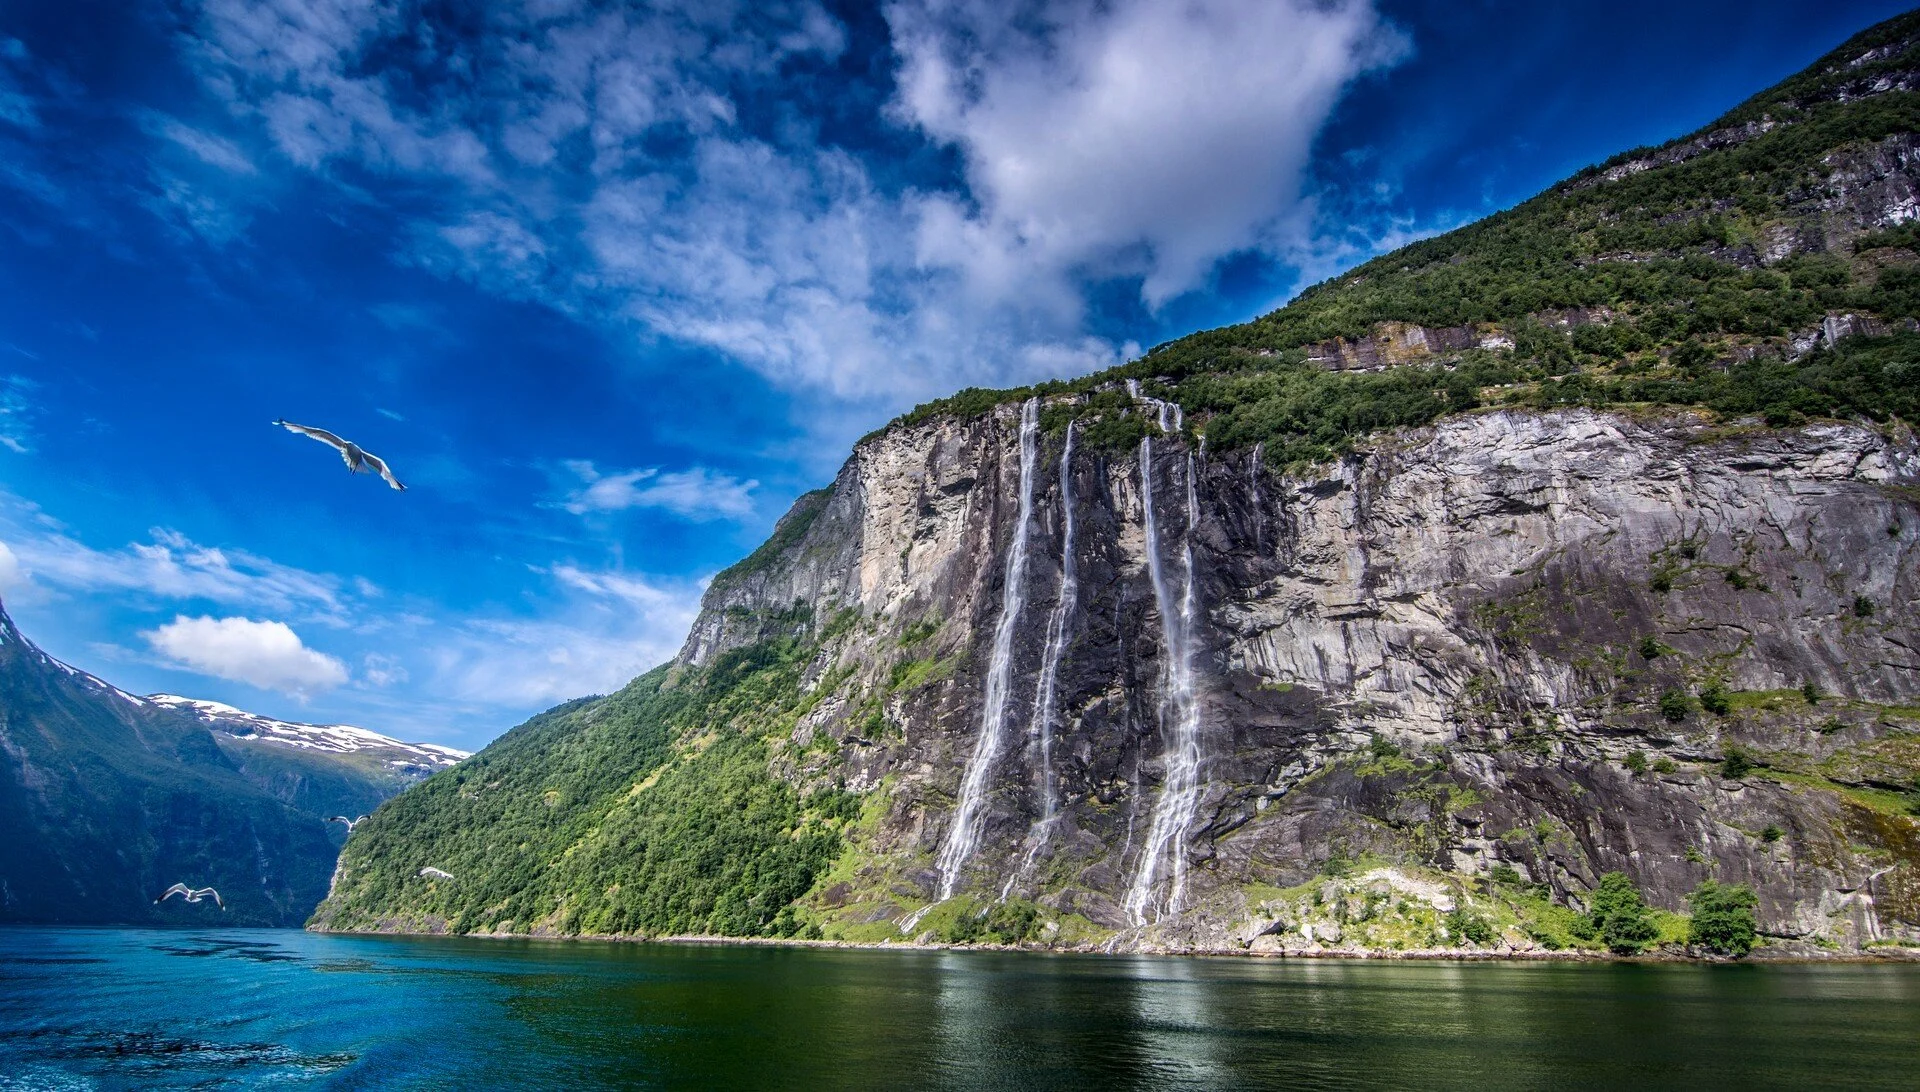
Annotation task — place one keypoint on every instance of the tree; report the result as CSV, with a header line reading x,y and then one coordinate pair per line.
x,y
1714,699
1619,917
1675,705
1735,765
1723,918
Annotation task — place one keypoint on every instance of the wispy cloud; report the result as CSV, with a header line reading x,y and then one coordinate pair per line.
x,y
268,655
16,106
210,148
698,494
172,567
16,411
605,162
614,626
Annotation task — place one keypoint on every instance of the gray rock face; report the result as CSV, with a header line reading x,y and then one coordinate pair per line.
x,y
1435,653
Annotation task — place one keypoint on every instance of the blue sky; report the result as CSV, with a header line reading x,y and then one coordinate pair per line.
x,y
609,285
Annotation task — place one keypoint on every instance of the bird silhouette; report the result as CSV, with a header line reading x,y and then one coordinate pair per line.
x,y
192,894
356,457
436,873
351,823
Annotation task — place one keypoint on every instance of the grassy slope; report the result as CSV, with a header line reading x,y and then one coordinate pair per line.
x,y
654,810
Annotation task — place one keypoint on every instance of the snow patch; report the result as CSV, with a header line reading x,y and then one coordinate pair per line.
x,y
330,738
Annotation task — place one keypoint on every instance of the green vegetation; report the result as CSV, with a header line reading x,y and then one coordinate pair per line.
x,y
1735,764
1722,918
651,811
1618,917
105,802
1675,705
1467,927
1643,290
791,529
1713,698
1636,762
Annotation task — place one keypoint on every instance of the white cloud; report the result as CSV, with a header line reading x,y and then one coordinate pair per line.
x,y
209,148
174,567
15,412
267,655
1161,136
1121,138
698,494
379,669
10,574
616,626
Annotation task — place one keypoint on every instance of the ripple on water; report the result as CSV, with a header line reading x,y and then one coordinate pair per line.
x,y
135,1009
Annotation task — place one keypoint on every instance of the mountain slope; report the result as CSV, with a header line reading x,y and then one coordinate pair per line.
x,y
327,769
107,799
1579,540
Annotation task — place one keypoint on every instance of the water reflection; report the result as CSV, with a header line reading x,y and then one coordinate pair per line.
x,y
137,1009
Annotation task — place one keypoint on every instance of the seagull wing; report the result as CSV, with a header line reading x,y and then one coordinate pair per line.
x,y
176,889
339,819
319,434
380,465
216,897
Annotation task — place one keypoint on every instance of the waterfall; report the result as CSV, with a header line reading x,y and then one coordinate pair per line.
x,y
1253,492
1045,698
964,835
1179,703
1045,694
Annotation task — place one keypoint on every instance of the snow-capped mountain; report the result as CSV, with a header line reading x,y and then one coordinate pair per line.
x,y
407,758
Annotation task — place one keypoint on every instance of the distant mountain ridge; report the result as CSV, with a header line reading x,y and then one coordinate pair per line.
x,y
419,759
108,798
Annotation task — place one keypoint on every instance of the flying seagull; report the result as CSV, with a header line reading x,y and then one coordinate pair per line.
x,y
351,823
436,873
192,894
356,457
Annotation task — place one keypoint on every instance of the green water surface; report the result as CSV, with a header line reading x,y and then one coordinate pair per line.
x,y
117,1008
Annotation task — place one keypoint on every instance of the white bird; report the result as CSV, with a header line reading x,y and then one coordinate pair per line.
x,y
436,873
356,457
192,894
351,823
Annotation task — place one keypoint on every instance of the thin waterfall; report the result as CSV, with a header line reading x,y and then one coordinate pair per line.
x,y
1179,703
1045,695
1253,492
1045,699
1183,773
963,837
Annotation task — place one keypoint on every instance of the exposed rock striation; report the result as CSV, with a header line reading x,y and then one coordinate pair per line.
x,y
1472,599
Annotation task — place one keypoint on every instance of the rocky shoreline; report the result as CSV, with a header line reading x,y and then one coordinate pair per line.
x,y
1775,951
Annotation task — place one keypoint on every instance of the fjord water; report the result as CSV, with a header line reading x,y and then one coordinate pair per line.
x,y
117,1008
121,1008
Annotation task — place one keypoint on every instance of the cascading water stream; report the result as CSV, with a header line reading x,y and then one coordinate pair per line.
x,y
963,836
1045,700
1045,696
1253,492
1179,703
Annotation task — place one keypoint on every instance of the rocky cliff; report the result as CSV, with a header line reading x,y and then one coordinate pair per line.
x,y
1577,541
1434,652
